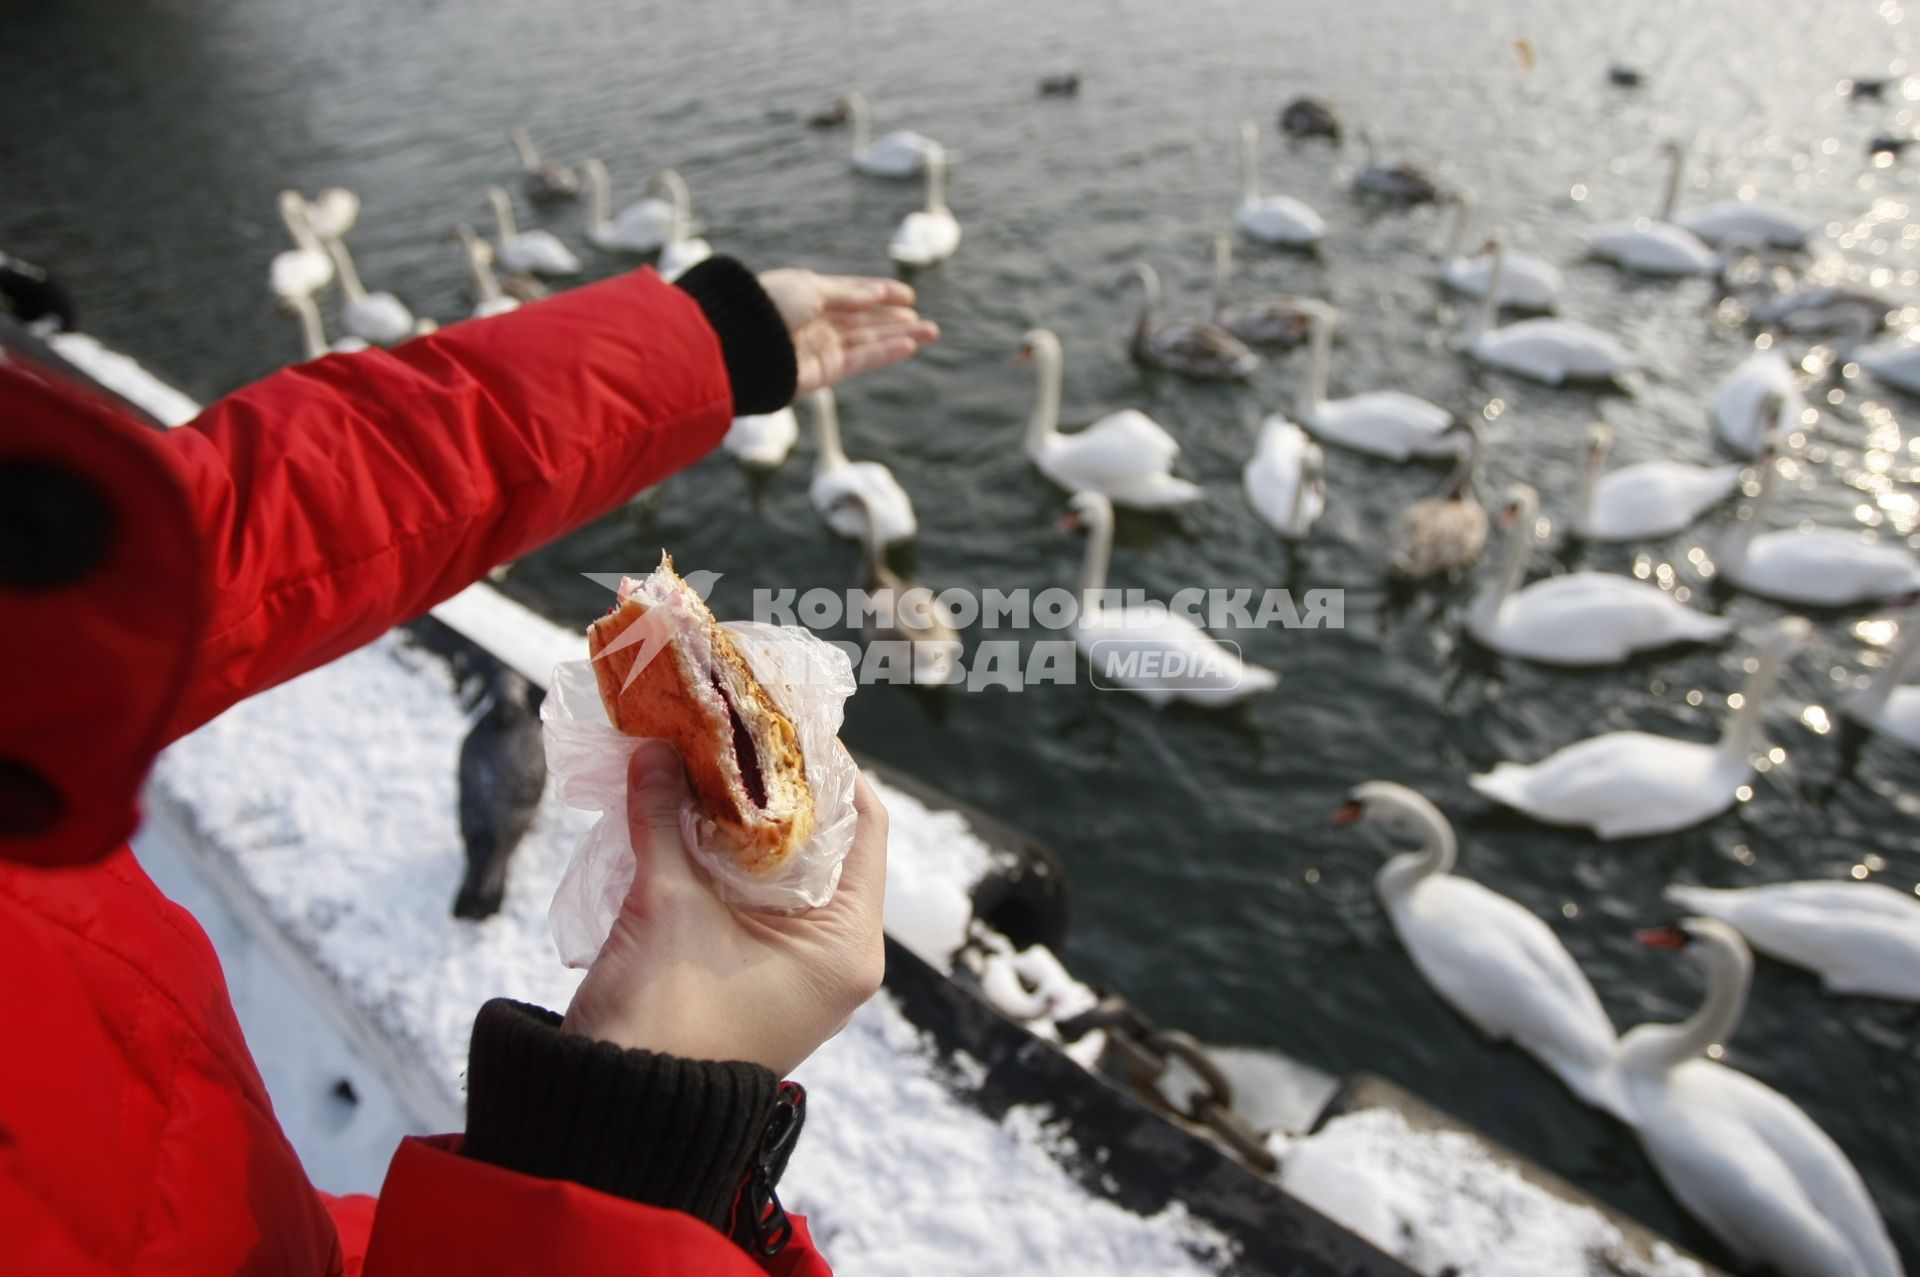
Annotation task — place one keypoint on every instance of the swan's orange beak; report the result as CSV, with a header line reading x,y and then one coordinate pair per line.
x,y
1024,355
1661,938
1069,522
1345,814
1508,515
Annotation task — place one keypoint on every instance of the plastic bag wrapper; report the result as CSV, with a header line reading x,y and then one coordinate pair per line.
x,y
809,679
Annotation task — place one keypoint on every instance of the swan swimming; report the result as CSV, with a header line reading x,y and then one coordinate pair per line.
x,y
1127,456
888,508
1812,567
931,234
1286,479
306,268
1553,351
682,251
761,441
1266,321
1644,501
1487,956
534,252
544,181
1884,704
1194,348
1656,246
644,226
1275,219
1759,399
901,153
1860,938
1442,534
1629,784
380,318
313,333
1581,618
1386,423
1528,282
1744,1160
488,299
1150,649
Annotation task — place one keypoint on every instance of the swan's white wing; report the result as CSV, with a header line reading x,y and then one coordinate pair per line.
x,y
1825,566
1771,224
1272,476
1656,248
1737,400
924,238
763,439
380,318
892,509
1165,656
1554,350
1620,785
1505,970
1859,937
644,226
1123,452
1593,618
1655,498
1387,423
1741,1168
1526,281
1280,219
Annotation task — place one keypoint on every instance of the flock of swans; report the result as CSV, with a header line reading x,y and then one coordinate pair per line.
x,y
1743,1158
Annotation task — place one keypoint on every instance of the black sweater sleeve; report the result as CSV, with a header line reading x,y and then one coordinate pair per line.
x,y
753,338
680,1134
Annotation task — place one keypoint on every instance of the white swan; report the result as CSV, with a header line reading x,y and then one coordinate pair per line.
x,y
1894,360
1276,219
333,212
1529,282
1860,938
1286,478
1760,397
313,333
1627,784
901,153
1150,649
1656,246
535,252
1644,501
1386,423
1815,567
683,250
1749,221
1553,351
1490,958
761,441
488,299
1744,1160
1125,455
380,318
930,234
1884,704
643,226
307,268
1581,618
834,477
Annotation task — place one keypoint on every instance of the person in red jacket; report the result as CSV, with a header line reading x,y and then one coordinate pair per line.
x,y
149,579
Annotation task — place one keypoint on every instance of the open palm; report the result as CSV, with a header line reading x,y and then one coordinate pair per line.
x,y
843,325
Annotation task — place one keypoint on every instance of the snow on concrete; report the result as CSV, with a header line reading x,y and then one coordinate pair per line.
x,y
332,800
1443,1205
125,377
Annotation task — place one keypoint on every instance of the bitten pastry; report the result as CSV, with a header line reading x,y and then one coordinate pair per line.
x,y
693,689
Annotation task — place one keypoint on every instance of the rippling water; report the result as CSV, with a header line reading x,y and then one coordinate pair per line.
x,y
144,145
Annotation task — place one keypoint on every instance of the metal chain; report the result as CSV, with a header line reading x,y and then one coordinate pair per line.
x,y
1143,1052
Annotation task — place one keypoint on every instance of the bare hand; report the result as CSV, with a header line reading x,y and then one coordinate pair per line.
x,y
684,974
843,325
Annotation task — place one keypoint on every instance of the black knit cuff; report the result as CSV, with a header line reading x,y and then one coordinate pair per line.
x,y
753,337
656,1129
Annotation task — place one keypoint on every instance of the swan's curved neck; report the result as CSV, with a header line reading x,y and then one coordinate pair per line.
x,y
862,123
1045,420
312,336
486,287
1462,477
1741,736
1734,548
1677,163
294,213
826,428
503,214
873,550
682,204
349,275
1879,690
1489,314
1249,165
1093,568
1439,850
1659,1047
1149,303
1313,392
600,208
1590,471
1457,238
936,184
524,148
1222,272
1486,607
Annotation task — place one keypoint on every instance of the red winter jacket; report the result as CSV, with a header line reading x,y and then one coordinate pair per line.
x,y
294,521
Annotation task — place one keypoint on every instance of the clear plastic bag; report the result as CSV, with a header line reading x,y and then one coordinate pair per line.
x,y
809,679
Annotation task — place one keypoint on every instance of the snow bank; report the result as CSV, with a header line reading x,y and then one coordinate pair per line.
x,y
1442,1204
331,800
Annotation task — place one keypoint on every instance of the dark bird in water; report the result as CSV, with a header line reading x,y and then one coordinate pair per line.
x,y
1310,117
1864,88
831,118
1887,144
1625,77
503,771
34,297
545,182
1060,86
1397,180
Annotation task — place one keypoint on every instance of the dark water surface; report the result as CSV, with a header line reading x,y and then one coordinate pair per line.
x,y
144,143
